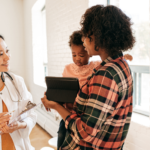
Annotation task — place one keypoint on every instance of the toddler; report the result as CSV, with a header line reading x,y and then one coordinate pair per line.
x,y
81,69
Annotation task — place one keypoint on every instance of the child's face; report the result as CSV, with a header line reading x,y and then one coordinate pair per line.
x,y
79,55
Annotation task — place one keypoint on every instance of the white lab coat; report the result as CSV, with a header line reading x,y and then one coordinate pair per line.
x,y
20,137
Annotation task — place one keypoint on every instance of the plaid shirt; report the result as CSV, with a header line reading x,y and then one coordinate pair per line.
x,y
103,109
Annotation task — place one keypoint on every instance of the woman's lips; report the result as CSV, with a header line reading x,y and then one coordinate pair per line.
x,y
5,65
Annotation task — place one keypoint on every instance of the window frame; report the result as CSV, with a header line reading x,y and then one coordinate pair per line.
x,y
38,33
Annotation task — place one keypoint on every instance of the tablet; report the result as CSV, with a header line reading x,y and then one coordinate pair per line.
x,y
62,89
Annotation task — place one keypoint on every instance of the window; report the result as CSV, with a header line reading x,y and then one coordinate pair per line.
x,y
40,69
139,12
43,13
141,51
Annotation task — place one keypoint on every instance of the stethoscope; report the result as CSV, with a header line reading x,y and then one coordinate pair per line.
x,y
10,77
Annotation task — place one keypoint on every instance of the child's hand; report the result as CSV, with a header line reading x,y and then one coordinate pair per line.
x,y
48,104
128,57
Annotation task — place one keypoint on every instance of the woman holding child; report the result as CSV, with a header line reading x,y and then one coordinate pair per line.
x,y
102,110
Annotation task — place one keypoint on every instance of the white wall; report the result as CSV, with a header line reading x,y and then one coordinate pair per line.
x,y
63,18
12,28
138,137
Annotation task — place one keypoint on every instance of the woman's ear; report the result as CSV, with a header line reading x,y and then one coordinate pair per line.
x,y
96,48
82,39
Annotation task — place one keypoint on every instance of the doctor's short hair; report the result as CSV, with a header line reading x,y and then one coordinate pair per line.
x,y
76,38
2,37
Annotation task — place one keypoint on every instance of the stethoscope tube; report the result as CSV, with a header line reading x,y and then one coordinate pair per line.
x,y
3,79
2,76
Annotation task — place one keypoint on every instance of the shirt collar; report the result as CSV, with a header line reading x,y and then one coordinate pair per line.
x,y
108,60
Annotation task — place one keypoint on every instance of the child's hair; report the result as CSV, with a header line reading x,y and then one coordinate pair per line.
x,y
76,38
110,27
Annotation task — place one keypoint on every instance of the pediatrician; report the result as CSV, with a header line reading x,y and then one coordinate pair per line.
x,y
13,96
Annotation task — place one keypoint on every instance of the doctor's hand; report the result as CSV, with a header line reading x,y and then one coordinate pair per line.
x,y
48,104
4,119
13,127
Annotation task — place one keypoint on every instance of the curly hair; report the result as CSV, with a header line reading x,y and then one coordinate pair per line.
x,y
110,27
2,37
76,38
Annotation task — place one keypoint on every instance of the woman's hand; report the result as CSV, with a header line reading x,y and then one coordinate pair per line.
x,y
4,119
48,104
13,127
54,105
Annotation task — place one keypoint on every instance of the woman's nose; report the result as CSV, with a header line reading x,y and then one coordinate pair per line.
x,y
83,44
7,56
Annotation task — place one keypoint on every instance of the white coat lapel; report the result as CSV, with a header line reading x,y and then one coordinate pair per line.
x,y
9,95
